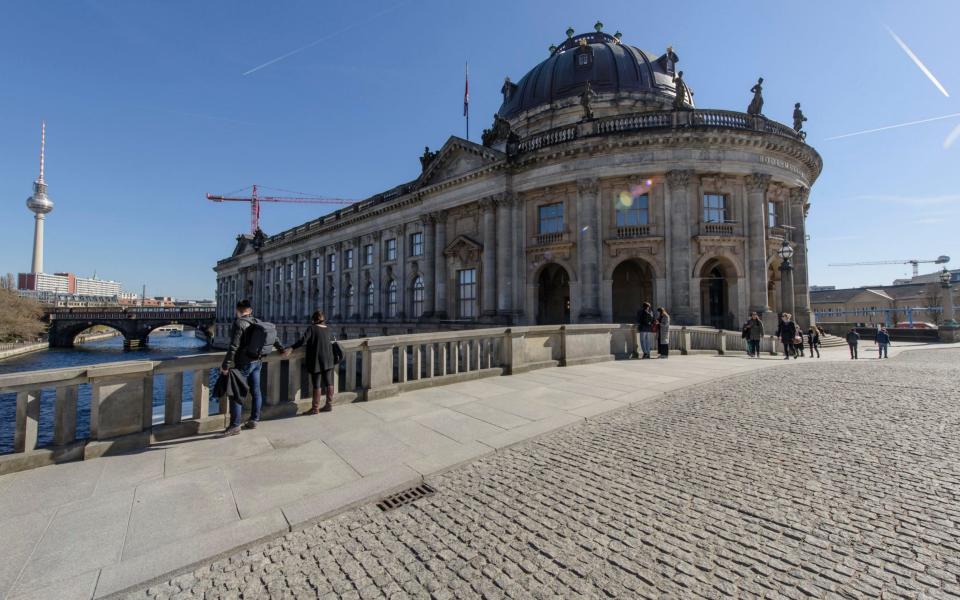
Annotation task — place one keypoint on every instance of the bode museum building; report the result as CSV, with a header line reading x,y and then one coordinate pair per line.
x,y
598,186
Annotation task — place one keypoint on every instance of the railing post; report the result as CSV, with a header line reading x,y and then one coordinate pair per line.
x,y
65,416
417,350
173,398
28,421
146,405
402,363
454,357
443,350
351,371
506,352
201,393
274,376
722,345
684,341
294,390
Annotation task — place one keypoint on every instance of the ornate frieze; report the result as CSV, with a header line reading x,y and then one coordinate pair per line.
x,y
757,183
679,178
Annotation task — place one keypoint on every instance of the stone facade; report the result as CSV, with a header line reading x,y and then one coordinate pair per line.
x,y
563,215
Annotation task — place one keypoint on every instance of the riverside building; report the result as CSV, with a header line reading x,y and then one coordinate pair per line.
x,y
598,186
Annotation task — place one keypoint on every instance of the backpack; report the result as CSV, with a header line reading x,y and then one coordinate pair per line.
x,y
261,336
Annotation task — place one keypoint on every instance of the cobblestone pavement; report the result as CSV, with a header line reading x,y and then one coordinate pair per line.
x,y
834,480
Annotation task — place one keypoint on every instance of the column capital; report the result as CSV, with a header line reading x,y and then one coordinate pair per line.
x,y
679,178
439,217
487,204
799,195
505,199
757,182
588,185
375,235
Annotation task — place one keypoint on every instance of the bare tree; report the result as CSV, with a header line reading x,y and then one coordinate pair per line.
x,y
8,282
20,318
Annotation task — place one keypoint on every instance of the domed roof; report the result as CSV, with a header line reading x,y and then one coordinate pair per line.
x,y
598,58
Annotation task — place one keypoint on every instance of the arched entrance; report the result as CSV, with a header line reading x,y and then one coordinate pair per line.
x,y
632,286
553,295
716,307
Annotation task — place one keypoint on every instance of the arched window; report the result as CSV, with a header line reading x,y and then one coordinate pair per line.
x,y
417,305
351,301
392,298
331,299
368,301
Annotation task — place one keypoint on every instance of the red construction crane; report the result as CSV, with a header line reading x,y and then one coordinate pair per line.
x,y
254,199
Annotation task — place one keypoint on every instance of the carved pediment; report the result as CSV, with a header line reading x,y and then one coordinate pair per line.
x,y
458,157
244,245
464,249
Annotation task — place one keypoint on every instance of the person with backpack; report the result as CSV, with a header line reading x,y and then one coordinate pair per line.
x,y
883,342
250,341
323,354
645,321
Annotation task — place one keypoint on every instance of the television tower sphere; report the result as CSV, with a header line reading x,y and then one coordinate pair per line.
x,y
39,202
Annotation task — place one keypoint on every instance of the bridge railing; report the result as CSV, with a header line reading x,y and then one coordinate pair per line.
x,y
85,412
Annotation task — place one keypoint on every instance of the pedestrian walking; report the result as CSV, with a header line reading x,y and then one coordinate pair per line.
x,y
813,341
883,342
753,332
787,332
250,340
645,323
853,340
663,333
798,342
323,355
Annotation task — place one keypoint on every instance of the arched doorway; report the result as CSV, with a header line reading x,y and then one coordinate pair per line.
x,y
553,295
632,286
716,307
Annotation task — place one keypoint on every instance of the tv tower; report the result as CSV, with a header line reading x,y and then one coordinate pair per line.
x,y
40,205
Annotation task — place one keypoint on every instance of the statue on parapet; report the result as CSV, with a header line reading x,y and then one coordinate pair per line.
x,y
798,120
500,130
756,105
586,100
680,101
427,158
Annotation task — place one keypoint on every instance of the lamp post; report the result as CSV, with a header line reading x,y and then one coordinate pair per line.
x,y
786,278
947,321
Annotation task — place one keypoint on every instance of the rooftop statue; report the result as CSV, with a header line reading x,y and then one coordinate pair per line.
x,y
756,105
427,158
680,101
798,120
586,99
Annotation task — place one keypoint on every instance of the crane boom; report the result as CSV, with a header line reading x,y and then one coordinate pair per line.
x,y
915,262
255,199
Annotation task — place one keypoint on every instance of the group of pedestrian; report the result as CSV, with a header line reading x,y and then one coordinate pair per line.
x,y
654,329
251,340
882,340
797,343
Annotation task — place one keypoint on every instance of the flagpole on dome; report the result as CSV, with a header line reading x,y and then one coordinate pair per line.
x,y
466,96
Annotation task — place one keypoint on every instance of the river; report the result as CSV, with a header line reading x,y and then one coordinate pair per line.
x,y
161,345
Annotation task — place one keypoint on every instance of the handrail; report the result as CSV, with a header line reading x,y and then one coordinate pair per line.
x,y
121,395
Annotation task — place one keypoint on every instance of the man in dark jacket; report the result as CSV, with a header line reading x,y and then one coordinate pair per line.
x,y
853,339
883,341
248,362
753,332
787,331
645,321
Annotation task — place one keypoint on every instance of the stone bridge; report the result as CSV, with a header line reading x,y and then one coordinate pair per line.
x,y
135,323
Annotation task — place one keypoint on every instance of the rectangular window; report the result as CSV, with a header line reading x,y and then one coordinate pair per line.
x,y
290,271
348,259
714,208
332,262
771,214
416,244
269,274
368,254
391,249
276,273
303,268
550,218
632,209
467,293
417,304
316,266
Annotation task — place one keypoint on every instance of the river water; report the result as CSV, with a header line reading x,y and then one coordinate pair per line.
x,y
161,346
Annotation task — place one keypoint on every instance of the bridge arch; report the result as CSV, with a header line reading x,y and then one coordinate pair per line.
x,y
135,324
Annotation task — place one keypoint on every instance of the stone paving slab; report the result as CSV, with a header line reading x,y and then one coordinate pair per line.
x,y
198,495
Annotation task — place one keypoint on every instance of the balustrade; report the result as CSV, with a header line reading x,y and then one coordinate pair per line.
x,y
718,229
633,231
124,413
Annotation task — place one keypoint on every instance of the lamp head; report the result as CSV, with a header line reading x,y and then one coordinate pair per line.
x,y
945,276
786,251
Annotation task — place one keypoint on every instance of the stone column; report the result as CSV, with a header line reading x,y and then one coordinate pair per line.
x,y
338,281
427,264
786,287
377,277
680,184
588,250
440,264
504,241
801,277
518,256
757,185
488,289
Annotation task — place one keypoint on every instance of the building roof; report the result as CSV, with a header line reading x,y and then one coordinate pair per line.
x,y
843,295
613,68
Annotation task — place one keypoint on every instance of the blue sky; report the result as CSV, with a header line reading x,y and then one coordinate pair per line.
x,y
147,108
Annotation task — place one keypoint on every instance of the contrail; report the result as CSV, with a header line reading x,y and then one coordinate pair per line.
x,y
324,38
953,137
917,62
845,135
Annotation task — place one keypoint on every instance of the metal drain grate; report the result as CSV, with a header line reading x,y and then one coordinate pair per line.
x,y
408,496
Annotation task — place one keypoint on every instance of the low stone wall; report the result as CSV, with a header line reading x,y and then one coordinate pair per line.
x,y
12,350
122,394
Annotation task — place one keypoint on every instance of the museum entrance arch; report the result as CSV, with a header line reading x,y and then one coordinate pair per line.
x,y
553,295
716,304
632,286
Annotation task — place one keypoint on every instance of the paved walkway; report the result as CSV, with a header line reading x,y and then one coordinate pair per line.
x,y
94,528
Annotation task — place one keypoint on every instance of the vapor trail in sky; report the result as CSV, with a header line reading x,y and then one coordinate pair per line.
x,y
917,62
951,138
324,38
898,125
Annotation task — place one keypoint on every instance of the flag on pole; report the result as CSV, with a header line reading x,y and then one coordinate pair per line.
x,y
466,91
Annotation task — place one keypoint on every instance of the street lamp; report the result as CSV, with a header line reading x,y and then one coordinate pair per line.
x,y
786,278
947,321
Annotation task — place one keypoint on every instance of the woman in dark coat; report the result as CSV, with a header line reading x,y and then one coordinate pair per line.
x,y
322,357
663,333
